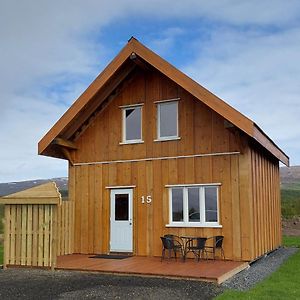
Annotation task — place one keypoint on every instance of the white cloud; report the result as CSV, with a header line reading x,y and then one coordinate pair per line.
x,y
50,52
258,73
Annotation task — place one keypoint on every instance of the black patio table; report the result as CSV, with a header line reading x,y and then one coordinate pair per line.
x,y
186,241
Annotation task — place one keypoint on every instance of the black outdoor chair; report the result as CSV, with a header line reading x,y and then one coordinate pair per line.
x,y
217,245
178,242
197,246
171,245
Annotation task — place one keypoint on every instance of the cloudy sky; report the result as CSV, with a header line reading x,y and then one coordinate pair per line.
x,y
246,52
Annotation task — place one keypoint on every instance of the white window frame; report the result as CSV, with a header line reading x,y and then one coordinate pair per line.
x,y
124,109
172,137
186,222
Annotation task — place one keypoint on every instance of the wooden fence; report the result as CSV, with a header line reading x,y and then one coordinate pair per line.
x,y
36,231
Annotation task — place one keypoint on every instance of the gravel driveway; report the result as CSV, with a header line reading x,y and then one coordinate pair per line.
x,y
42,284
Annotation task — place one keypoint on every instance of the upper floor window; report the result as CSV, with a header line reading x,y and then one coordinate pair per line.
x,y
132,124
167,120
194,206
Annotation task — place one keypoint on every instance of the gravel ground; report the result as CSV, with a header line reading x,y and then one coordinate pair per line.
x,y
43,284
259,270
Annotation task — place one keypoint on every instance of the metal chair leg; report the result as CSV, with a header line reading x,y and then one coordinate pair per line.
x,y
162,254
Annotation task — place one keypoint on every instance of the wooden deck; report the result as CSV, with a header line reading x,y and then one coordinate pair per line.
x,y
211,270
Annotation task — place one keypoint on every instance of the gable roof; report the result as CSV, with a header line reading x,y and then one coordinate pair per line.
x,y
117,70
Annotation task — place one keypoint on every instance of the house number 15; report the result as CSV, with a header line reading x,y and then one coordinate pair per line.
x,y
146,199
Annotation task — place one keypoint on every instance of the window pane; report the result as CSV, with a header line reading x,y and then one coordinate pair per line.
x,y
211,204
168,119
177,205
133,123
193,204
121,207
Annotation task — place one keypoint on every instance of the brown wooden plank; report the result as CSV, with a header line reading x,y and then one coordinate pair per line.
x,y
98,202
18,234
46,236
236,216
40,253
35,230
29,236
141,221
149,207
245,206
7,235
13,216
54,229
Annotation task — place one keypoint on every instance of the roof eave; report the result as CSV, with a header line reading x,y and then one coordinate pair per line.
x,y
266,142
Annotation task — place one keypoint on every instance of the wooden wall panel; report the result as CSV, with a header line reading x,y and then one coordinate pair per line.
x,y
246,209
266,202
150,220
201,130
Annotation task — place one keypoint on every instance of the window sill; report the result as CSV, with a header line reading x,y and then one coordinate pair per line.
x,y
131,142
168,139
195,225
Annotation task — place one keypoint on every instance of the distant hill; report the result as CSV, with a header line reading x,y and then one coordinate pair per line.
x,y
290,175
13,187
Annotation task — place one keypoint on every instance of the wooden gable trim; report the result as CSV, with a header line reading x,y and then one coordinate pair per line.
x,y
134,50
88,94
268,144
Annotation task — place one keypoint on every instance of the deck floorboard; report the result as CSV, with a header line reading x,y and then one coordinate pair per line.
x,y
205,270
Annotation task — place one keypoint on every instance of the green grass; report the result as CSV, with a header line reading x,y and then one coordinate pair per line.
x,y
283,284
290,200
291,241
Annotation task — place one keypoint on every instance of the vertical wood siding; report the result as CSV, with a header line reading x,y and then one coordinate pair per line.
x,y
201,131
266,203
91,233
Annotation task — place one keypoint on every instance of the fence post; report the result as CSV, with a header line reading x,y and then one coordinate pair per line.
x,y
54,236
6,235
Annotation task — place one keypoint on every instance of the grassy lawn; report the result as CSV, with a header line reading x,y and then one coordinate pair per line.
x,y
283,284
291,241
290,200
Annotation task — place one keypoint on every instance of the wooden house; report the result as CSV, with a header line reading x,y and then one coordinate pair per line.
x,y
152,152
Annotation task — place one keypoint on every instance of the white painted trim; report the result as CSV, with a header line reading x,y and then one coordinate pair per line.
x,y
121,187
154,158
192,184
128,223
131,105
132,142
164,138
167,139
186,222
166,100
194,225
124,141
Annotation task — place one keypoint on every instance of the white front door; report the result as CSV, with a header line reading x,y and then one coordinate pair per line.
x,y
121,220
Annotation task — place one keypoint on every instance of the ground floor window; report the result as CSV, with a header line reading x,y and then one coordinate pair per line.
x,y
194,205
